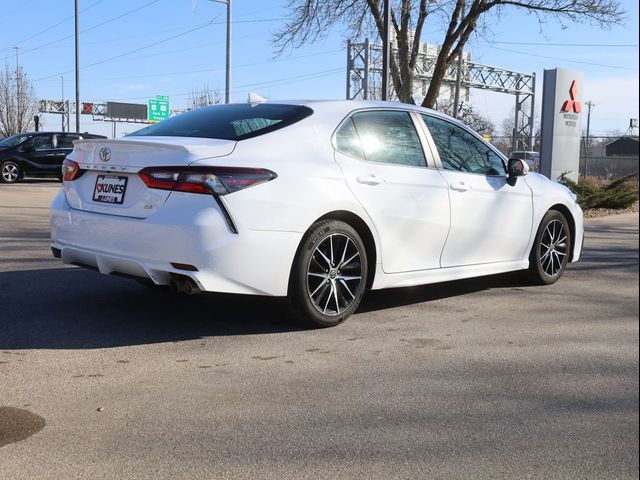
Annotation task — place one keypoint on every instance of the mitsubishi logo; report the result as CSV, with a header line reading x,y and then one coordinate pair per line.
x,y
572,104
104,154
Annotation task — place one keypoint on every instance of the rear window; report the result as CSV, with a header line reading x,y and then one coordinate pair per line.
x,y
228,122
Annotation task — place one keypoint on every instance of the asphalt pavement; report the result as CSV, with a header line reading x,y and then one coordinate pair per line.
x,y
101,377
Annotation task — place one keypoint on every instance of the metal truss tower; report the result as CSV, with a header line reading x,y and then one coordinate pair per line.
x,y
60,107
364,81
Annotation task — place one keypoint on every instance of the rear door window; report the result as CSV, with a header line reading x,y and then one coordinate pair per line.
x,y
381,137
348,140
66,141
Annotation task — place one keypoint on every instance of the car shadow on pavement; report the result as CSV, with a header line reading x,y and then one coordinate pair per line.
x,y
71,308
395,297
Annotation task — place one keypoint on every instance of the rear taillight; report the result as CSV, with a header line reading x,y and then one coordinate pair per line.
x,y
208,180
70,170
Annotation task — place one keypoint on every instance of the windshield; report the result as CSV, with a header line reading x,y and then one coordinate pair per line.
x,y
13,141
228,122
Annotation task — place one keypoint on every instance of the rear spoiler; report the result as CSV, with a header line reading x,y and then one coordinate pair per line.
x,y
89,142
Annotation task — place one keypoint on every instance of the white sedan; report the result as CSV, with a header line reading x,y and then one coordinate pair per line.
x,y
315,201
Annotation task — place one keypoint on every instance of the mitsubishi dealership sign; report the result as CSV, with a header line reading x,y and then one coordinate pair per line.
x,y
561,123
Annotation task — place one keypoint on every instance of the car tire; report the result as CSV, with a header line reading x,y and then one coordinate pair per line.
x,y
551,250
329,274
10,172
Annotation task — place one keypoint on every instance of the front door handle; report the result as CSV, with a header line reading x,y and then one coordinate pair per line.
x,y
370,179
460,187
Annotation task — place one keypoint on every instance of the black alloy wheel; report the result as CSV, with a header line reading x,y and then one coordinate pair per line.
x,y
329,274
551,249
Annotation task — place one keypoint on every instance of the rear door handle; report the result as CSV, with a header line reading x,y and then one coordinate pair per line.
x,y
460,187
370,179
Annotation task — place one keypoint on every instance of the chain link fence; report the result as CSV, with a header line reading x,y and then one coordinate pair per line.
x,y
608,167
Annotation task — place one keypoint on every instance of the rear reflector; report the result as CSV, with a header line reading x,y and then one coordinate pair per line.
x,y
207,180
184,266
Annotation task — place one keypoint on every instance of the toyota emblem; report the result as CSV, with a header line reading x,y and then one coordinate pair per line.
x,y
104,154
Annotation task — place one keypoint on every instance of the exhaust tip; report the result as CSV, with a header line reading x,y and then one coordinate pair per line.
x,y
174,285
184,285
190,288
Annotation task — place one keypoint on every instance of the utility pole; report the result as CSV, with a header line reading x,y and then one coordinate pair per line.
x,y
386,49
587,146
18,121
456,96
63,105
227,88
227,92
77,70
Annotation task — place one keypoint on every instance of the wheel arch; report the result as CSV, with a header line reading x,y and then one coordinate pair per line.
x,y
360,226
564,210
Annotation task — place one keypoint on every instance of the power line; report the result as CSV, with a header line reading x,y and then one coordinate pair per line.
x,y
116,57
559,58
206,70
266,84
545,44
53,26
93,27
129,52
48,44
164,53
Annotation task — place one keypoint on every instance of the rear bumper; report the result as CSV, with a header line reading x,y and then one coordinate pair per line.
x,y
189,229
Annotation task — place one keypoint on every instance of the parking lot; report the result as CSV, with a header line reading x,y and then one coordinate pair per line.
x,y
101,377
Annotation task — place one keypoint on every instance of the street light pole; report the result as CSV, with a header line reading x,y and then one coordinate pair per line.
x,y
77,70
386,49
18,121
590,105
587,147
227,88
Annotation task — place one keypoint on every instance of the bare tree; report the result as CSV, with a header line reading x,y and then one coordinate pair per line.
x,y
18,103
504,141
204,96
311,20
469,115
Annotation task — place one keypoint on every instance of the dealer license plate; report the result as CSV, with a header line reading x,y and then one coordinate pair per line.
x,y
110,189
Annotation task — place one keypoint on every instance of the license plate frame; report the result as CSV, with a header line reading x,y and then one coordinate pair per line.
x,y
115,194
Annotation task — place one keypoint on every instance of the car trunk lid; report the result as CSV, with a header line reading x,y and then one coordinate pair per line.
x,y
110,183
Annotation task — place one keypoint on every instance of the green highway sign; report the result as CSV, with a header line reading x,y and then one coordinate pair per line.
x,y
158,108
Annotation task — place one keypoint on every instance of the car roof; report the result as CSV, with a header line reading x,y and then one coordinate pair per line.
x,y
344,107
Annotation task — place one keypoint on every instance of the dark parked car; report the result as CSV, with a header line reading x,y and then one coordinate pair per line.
x,y
36,154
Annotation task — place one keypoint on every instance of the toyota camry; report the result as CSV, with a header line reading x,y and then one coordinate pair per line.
x,y
315,201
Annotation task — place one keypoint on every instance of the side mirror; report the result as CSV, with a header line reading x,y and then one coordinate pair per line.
x,y
516,168
27,148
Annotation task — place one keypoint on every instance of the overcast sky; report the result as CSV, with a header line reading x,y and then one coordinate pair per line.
x,y
136,49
